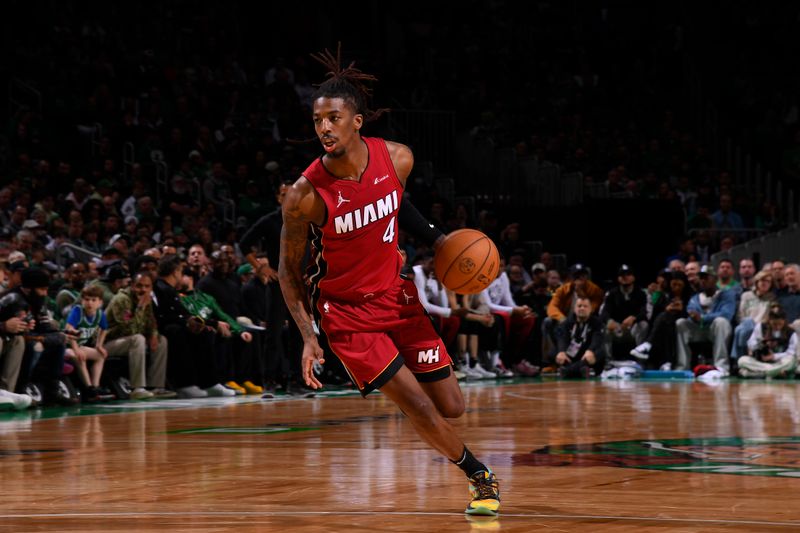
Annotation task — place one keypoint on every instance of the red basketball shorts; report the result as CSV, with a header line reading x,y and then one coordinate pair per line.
x,y
377,336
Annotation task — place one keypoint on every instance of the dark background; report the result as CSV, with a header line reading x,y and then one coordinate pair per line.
x,y
700,79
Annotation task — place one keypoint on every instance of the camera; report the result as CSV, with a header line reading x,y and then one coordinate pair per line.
x,y
761,351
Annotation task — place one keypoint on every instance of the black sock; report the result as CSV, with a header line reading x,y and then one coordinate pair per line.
x,y
469,464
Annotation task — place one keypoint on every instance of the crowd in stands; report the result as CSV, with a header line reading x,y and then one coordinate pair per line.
x,y
101,259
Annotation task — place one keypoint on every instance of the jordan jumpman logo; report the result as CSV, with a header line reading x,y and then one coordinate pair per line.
x,y
341,200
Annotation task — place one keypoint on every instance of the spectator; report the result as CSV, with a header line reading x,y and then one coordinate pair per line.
x,y
132,331
771,349
88,327
725,277
659,350
725,218
753,307
477,331
116,277
190,364
71,291
624,312
710,314
562,302
747,272
789,295
517,324
579,342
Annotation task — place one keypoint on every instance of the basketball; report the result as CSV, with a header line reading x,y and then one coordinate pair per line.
x,y
467,262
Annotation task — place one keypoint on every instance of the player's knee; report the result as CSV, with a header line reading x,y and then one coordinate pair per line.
x,y
453,407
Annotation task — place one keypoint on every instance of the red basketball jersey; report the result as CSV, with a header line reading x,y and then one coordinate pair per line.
x,y
354,253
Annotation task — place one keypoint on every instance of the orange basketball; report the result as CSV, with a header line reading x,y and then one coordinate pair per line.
x,y
467,262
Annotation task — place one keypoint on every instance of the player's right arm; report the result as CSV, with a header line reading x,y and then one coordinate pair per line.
x,y
301,206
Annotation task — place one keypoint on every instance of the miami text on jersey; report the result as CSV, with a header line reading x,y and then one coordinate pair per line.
x,y
363,216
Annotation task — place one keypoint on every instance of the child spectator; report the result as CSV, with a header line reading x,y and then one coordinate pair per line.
x,y
88,326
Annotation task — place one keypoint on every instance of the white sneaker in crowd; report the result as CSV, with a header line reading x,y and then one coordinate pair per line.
x,y
193,391
220,390
483,373
18,402
642,351
140,393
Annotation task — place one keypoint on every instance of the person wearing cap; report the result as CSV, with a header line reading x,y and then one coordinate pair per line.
x,y
771,349
42,337
562,302
754,305
538,271
624,312
12,349
710,314
114,278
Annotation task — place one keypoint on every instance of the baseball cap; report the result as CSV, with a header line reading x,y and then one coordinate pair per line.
x,y
538,266
246,268
624,269
30,224
18,266
115,272
131,218
578,268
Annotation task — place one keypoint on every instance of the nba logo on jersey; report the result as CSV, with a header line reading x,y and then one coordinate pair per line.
x,y
428,356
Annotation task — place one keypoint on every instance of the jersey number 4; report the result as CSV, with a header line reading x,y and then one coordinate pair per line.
x,y
388,235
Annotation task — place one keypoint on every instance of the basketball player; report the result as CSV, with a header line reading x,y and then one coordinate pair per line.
x,y
370,317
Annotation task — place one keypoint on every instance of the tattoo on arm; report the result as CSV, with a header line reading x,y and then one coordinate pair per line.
x,y
294,236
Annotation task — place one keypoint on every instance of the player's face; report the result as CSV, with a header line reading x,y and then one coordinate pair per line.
x,y
336,124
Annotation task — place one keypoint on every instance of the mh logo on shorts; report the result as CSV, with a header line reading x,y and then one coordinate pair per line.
x,y
428,356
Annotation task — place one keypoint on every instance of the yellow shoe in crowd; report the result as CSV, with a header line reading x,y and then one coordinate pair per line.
x,y
252,388
238,389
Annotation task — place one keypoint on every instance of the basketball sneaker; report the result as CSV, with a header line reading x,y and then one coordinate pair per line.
x,y
642,351
485,491
235,387
482,373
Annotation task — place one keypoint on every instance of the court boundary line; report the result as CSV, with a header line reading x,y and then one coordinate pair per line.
x,y
266,514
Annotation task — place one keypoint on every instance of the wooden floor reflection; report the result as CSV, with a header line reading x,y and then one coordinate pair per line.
x,y
599,456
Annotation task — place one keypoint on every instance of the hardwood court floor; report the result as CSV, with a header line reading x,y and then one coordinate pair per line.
x,y
571,456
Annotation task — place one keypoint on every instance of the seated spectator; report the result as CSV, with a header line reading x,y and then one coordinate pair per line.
x,y
725,277
789,295
710,314
477,331
725,217
659,350
71,291
44,343
624,312
87,326
771,349
753,307
561,303
692,270
190,365
12,349
553,281
517,322
579,342
132,330
114,278
747,272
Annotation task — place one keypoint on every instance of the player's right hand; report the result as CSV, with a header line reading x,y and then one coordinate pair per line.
x,y
311,353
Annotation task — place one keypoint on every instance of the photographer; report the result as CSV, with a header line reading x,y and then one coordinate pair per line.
x,y
772,348
44,343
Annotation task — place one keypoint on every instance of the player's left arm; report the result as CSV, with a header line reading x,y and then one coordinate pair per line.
x,y
409,218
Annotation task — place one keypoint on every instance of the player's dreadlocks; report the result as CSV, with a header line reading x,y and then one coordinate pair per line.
x,y
346,83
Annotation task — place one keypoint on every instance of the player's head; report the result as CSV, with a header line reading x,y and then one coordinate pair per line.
x,y
340,103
